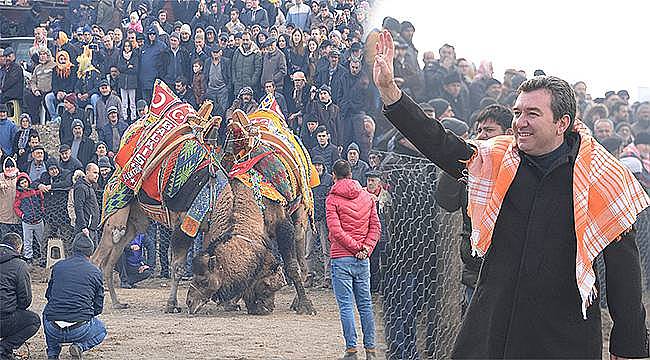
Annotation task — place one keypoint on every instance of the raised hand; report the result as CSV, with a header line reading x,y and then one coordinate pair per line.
x,y
383,72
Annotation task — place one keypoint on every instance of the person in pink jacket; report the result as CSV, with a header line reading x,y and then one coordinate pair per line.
x,y
354,230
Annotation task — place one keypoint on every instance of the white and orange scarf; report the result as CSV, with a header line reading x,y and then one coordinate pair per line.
x,y
606,199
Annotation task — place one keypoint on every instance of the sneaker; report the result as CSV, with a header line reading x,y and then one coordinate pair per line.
x,y
76,352
371,354
126,285
350,354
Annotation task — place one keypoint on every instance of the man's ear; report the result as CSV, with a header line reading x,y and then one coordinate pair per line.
x,y
563,124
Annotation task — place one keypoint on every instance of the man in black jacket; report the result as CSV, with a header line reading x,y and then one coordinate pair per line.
x,y
451,194
13,83
86,207
17,324
527,302
75,296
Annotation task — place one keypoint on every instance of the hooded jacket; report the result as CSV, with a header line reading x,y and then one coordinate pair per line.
x,y
352,219
15,284
86,207
56,200
29,204
246,68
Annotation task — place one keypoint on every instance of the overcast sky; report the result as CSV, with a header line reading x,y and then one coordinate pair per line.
x,y
606,44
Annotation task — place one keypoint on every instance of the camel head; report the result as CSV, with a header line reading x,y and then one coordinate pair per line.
x,y
206,281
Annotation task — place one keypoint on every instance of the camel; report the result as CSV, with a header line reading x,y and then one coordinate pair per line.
x,y
281,226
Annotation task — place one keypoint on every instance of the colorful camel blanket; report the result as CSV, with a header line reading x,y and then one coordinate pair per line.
x,y
606,199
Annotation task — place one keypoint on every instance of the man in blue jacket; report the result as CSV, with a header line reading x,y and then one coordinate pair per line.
x,y
151,60
75,296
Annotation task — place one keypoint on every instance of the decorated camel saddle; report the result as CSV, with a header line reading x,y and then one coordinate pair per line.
x,y
170,162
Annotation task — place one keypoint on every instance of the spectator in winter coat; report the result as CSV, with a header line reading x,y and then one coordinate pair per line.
x,y
22,161
299,15
106,100
75,296
86,207
13,82
9,221
131,264
198,82
320,194
329,115
88,79
64,79
21,139
112,132
246,65
55,184
36,167
354,230
235,25
183,92
328,152
177,60
66,160
151,63
30,208
129,65
256,15
329,75
82,146
308,131
70,114
106,169
274,66
8,131
269,89
108,55
217,80
17,324
199,51
40,83
359,167
244,102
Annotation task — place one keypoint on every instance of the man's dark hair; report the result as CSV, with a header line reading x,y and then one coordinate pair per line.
x,y
563,98
612,144
181,79
499,113
616,106
320,129
12,239
342,169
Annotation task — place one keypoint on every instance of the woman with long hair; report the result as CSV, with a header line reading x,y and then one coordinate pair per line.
x,y
128,65
298,58
312,59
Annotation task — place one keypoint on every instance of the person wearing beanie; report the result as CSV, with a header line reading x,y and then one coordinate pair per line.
x,y
17,324
178,60
456,126
72,112
143,109
81,145
442,108
75,296
29,206
66,160
359,167
454,92
152,55
106,170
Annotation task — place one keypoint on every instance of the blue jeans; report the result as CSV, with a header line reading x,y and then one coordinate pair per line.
x,y
87,336
351,277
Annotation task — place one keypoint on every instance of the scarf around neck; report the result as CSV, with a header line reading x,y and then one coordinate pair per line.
x,y
606,199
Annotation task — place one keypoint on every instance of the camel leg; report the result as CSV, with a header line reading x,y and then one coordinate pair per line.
x,y
287,246
180,245
118,230
301,225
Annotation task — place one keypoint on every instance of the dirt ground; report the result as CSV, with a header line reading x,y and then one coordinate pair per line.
x,y
144,331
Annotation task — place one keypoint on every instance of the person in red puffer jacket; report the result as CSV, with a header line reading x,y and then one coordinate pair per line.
x,y
354,230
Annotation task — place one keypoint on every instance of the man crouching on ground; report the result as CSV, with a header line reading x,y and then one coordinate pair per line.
x,y
75,296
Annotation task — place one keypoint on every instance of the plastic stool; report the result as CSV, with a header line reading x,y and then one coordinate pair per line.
x,y
55,252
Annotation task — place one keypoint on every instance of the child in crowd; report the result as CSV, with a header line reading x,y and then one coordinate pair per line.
x,y
131,266
198,86
29,206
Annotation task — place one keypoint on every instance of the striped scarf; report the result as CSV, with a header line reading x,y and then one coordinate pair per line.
x,y
606,199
